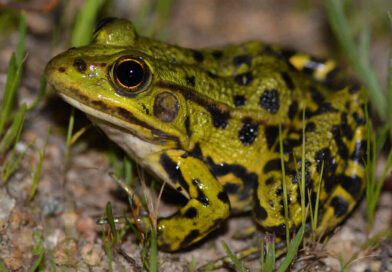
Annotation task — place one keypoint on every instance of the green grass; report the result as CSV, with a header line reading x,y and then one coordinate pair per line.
x,y
68,140
11,125
122,169
389,77
161,9
12,163
2,267
268,257
12,120
302,179
314,212
41,94
343,34
108,248
238,264
359,59
284,186
292,250
153,260
15,69
38,251
115,238
373,187
35,174
85,22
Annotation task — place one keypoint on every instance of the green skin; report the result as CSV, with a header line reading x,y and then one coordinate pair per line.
x,y
206,122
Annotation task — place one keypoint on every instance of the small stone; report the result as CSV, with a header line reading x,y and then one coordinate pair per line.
x,y
6,204
69,219
14,261
88,228
91,255
66,253
51,206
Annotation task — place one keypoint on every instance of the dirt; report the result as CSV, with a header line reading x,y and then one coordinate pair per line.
x,y
61,218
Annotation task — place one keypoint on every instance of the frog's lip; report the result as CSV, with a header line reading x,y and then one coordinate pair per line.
x,y
134,128
96,113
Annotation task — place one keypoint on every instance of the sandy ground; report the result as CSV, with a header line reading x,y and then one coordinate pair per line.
x,y
70,198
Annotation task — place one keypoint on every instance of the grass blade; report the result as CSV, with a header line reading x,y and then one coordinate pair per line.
x,y
238,264
302,184
285,202
41,93
2,267
153,251
38,261
293,249
21,47
13,130
316,208
37,250
269,255
389,79
85,22
9,167
8,94
108,248
110,218
364,45
128,170
14,73
68,142
35,175
341,29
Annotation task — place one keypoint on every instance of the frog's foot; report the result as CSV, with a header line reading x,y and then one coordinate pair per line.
x,y
249,253
208,203
245,233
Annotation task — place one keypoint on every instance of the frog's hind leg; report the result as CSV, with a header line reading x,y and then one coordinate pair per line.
x,y
249,253
325,71
349,188
208,203
345,185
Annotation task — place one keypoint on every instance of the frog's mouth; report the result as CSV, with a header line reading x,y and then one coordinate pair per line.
x,y
137,146
134,126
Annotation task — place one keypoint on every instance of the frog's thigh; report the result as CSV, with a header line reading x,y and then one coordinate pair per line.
x,y
349,188
268,208
207,207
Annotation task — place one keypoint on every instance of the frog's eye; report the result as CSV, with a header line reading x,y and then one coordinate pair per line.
x,y
130,74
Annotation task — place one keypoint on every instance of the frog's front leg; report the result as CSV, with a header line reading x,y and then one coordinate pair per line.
x,y
208,203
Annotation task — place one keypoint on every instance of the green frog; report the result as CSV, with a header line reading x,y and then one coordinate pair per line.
x,y
208,123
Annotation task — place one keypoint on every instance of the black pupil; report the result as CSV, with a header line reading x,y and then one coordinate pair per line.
x,y
130,73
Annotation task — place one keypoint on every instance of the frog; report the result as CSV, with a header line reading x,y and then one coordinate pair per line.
x,y
218,125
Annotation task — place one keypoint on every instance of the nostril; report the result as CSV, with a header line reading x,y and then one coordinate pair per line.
x,y
80,64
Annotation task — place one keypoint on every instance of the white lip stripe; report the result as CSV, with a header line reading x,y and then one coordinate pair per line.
x,y
96,113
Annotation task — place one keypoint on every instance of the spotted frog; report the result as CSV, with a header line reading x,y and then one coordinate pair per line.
x,y
207,122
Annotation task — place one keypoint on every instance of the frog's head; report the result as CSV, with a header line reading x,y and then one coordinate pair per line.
x,y
119,85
